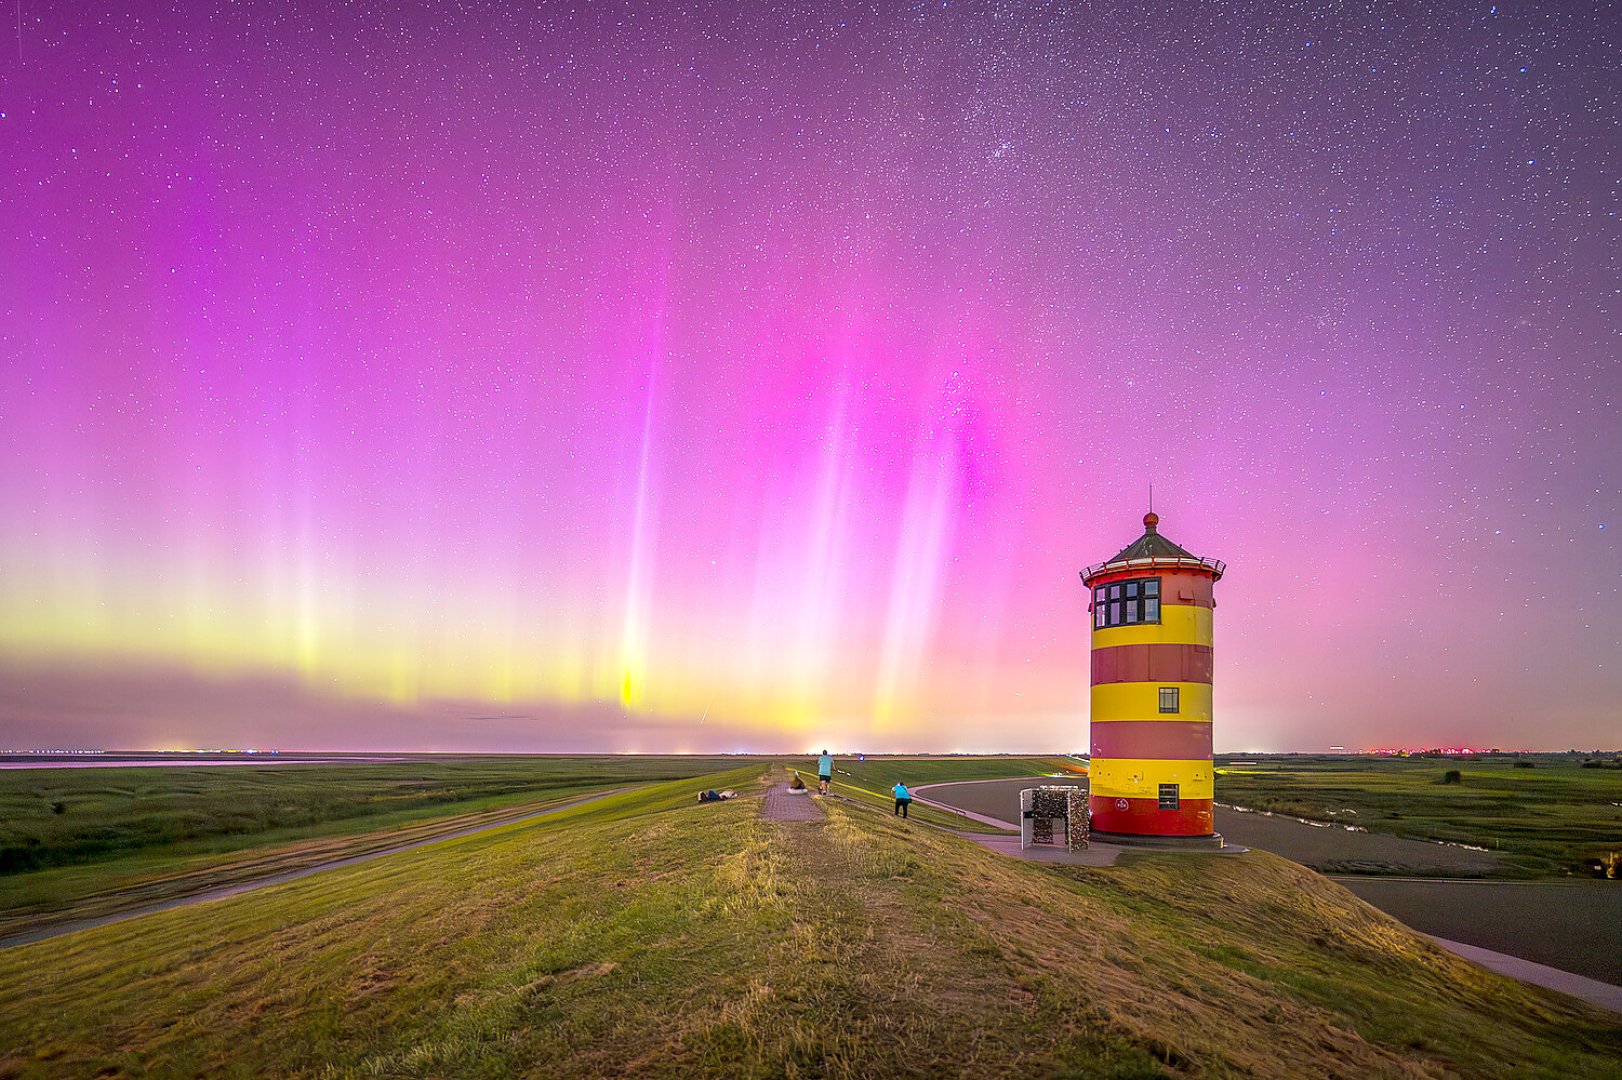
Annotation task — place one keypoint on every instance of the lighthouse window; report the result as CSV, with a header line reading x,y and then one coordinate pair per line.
x,y
1169,796
1169,696
1126,603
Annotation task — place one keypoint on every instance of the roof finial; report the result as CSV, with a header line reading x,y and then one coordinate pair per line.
x,y
1151,519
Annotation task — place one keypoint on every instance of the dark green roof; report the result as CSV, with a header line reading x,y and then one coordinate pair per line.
x,y
1150,550
1151,545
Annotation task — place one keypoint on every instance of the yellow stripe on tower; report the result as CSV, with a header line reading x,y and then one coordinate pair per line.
x,y
1180,624
1139,778
1141,701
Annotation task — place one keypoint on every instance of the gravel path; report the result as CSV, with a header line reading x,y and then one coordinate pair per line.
x,y
779,805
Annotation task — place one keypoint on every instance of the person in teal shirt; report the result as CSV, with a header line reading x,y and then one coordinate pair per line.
x,y
825,772
903,799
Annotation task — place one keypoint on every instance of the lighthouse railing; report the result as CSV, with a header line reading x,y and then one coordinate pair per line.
x,y
1152,562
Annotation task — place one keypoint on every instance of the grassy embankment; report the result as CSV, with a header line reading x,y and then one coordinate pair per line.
x,y
870,781
77,842
648,933
1544,821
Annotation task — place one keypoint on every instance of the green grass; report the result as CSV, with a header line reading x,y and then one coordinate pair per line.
x,y
648,934
55,817
872,780
1544,821
67,835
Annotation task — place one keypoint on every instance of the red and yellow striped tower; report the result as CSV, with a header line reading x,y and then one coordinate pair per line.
x,y
1151,707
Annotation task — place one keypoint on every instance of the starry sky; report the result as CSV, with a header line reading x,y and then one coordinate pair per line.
x,y
677,376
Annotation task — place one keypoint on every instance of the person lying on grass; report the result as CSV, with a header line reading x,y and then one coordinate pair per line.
x,y
716,796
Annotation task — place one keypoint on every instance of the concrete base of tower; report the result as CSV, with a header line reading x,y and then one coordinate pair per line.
x,y
1211,842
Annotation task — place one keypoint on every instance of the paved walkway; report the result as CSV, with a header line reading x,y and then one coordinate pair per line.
x,y
1004,844
1091,855
780,805
28,937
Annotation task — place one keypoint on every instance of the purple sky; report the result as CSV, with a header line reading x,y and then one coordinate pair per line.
x,y
680,376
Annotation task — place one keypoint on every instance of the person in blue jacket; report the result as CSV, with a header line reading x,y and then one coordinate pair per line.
x,y
903,799
825,772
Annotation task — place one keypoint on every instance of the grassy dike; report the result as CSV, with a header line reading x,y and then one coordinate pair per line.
x,y
648,933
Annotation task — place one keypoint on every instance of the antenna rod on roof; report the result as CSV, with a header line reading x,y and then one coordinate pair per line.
x,y
1151,498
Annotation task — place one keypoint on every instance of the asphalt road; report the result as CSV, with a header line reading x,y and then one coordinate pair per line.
x,y
1571,925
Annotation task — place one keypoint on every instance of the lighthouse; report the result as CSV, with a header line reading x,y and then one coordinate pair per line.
x,y
1151,691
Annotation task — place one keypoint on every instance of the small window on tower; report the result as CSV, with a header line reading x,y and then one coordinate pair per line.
x,y
1151,587
1169,799
1169,696
1151,610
